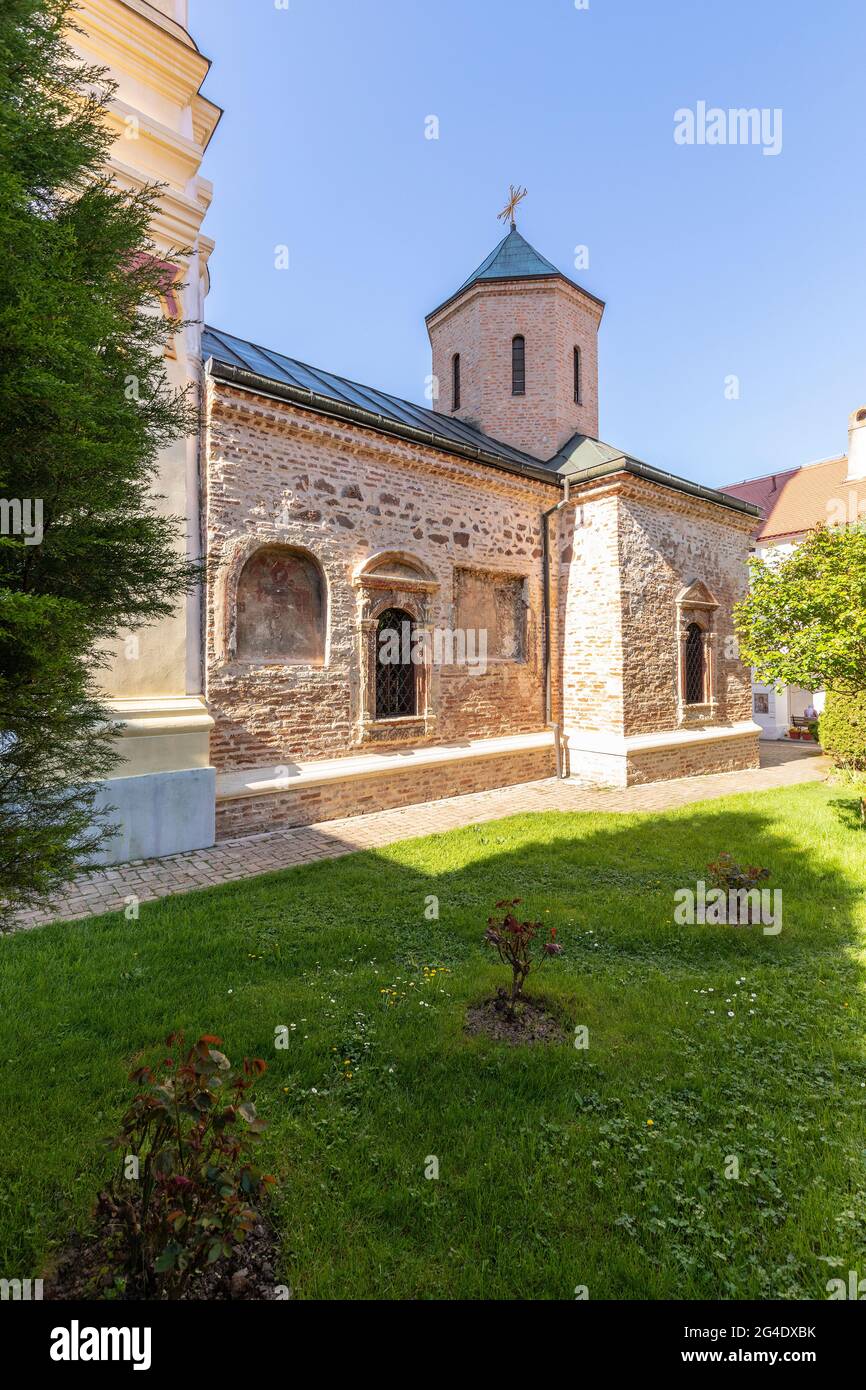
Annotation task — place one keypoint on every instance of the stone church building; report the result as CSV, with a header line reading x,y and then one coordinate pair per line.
x,y
405,602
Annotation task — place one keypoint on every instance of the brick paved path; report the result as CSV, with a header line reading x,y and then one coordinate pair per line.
x,y
105,890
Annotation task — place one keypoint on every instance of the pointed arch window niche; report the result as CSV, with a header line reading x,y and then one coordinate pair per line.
x,y
696,631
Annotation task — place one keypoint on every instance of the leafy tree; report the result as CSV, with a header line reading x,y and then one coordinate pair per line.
x,y
804,620
85,408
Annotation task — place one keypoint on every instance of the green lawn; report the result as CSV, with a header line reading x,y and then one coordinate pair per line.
x,y
551,1174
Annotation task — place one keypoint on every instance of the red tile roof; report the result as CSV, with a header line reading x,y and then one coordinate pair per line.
x,y
798,500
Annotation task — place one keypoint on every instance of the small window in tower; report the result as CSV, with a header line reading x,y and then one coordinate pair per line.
x,y
577,375
518,366
455,381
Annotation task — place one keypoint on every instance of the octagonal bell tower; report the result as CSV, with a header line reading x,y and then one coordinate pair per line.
x,y
515,351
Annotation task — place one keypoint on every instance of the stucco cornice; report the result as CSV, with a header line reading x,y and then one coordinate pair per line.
x,y
513,288
129,39
178,216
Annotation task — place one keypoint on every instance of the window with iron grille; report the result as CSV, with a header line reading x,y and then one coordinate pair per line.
x,y
695,666
395,670
518,366
576,364
455,381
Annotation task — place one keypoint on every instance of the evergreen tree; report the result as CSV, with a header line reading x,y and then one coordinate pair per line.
x,y
85,408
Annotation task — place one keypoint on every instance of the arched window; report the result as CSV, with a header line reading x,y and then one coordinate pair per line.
x,y
280,607
518,366
396,696
576,368
455,381
694,666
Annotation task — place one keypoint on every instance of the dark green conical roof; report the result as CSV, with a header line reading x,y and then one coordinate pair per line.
x,y
512,259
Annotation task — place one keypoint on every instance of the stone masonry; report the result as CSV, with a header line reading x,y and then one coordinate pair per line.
x,y
342,495
331,510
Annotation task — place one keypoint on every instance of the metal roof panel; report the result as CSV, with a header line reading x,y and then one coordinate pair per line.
x,y
237,352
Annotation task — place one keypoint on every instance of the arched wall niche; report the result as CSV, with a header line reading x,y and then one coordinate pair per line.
x,y
272,598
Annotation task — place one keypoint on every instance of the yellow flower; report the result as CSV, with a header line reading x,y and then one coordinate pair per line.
x,y
650,1122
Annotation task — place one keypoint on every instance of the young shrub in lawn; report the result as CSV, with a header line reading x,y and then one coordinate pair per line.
x,y
731,877
518,946
192,1131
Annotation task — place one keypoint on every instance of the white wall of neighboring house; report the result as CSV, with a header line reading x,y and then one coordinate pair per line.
x,y
775,710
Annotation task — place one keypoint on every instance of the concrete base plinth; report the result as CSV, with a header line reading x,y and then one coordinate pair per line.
x,y
159,813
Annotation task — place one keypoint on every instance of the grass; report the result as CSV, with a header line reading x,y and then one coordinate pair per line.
x,y
558,1167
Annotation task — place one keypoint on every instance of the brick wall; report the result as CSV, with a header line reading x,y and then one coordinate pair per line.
x,y
667,540
589,611
343,494
721,755
554,318
622,550
252,815
627,549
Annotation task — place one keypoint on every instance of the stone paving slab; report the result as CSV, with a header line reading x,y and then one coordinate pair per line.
x,y
107,890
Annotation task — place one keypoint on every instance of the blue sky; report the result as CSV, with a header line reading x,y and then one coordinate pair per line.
x,y
714,261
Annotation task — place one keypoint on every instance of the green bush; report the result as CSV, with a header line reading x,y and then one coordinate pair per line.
x,y
842,729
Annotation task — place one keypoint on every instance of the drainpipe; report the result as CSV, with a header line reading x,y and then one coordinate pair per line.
x,y
548,626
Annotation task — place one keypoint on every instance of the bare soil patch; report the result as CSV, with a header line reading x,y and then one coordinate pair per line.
x,y
533,1022
100,1266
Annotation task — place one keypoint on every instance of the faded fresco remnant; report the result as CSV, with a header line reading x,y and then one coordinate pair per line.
x,y
280,608
493,603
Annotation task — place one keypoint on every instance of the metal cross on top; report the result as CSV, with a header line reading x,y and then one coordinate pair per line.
x,y
515,196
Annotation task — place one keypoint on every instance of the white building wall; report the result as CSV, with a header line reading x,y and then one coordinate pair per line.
x,y
163,789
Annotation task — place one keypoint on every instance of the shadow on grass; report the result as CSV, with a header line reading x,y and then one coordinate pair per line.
x,y
851,811
318,942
